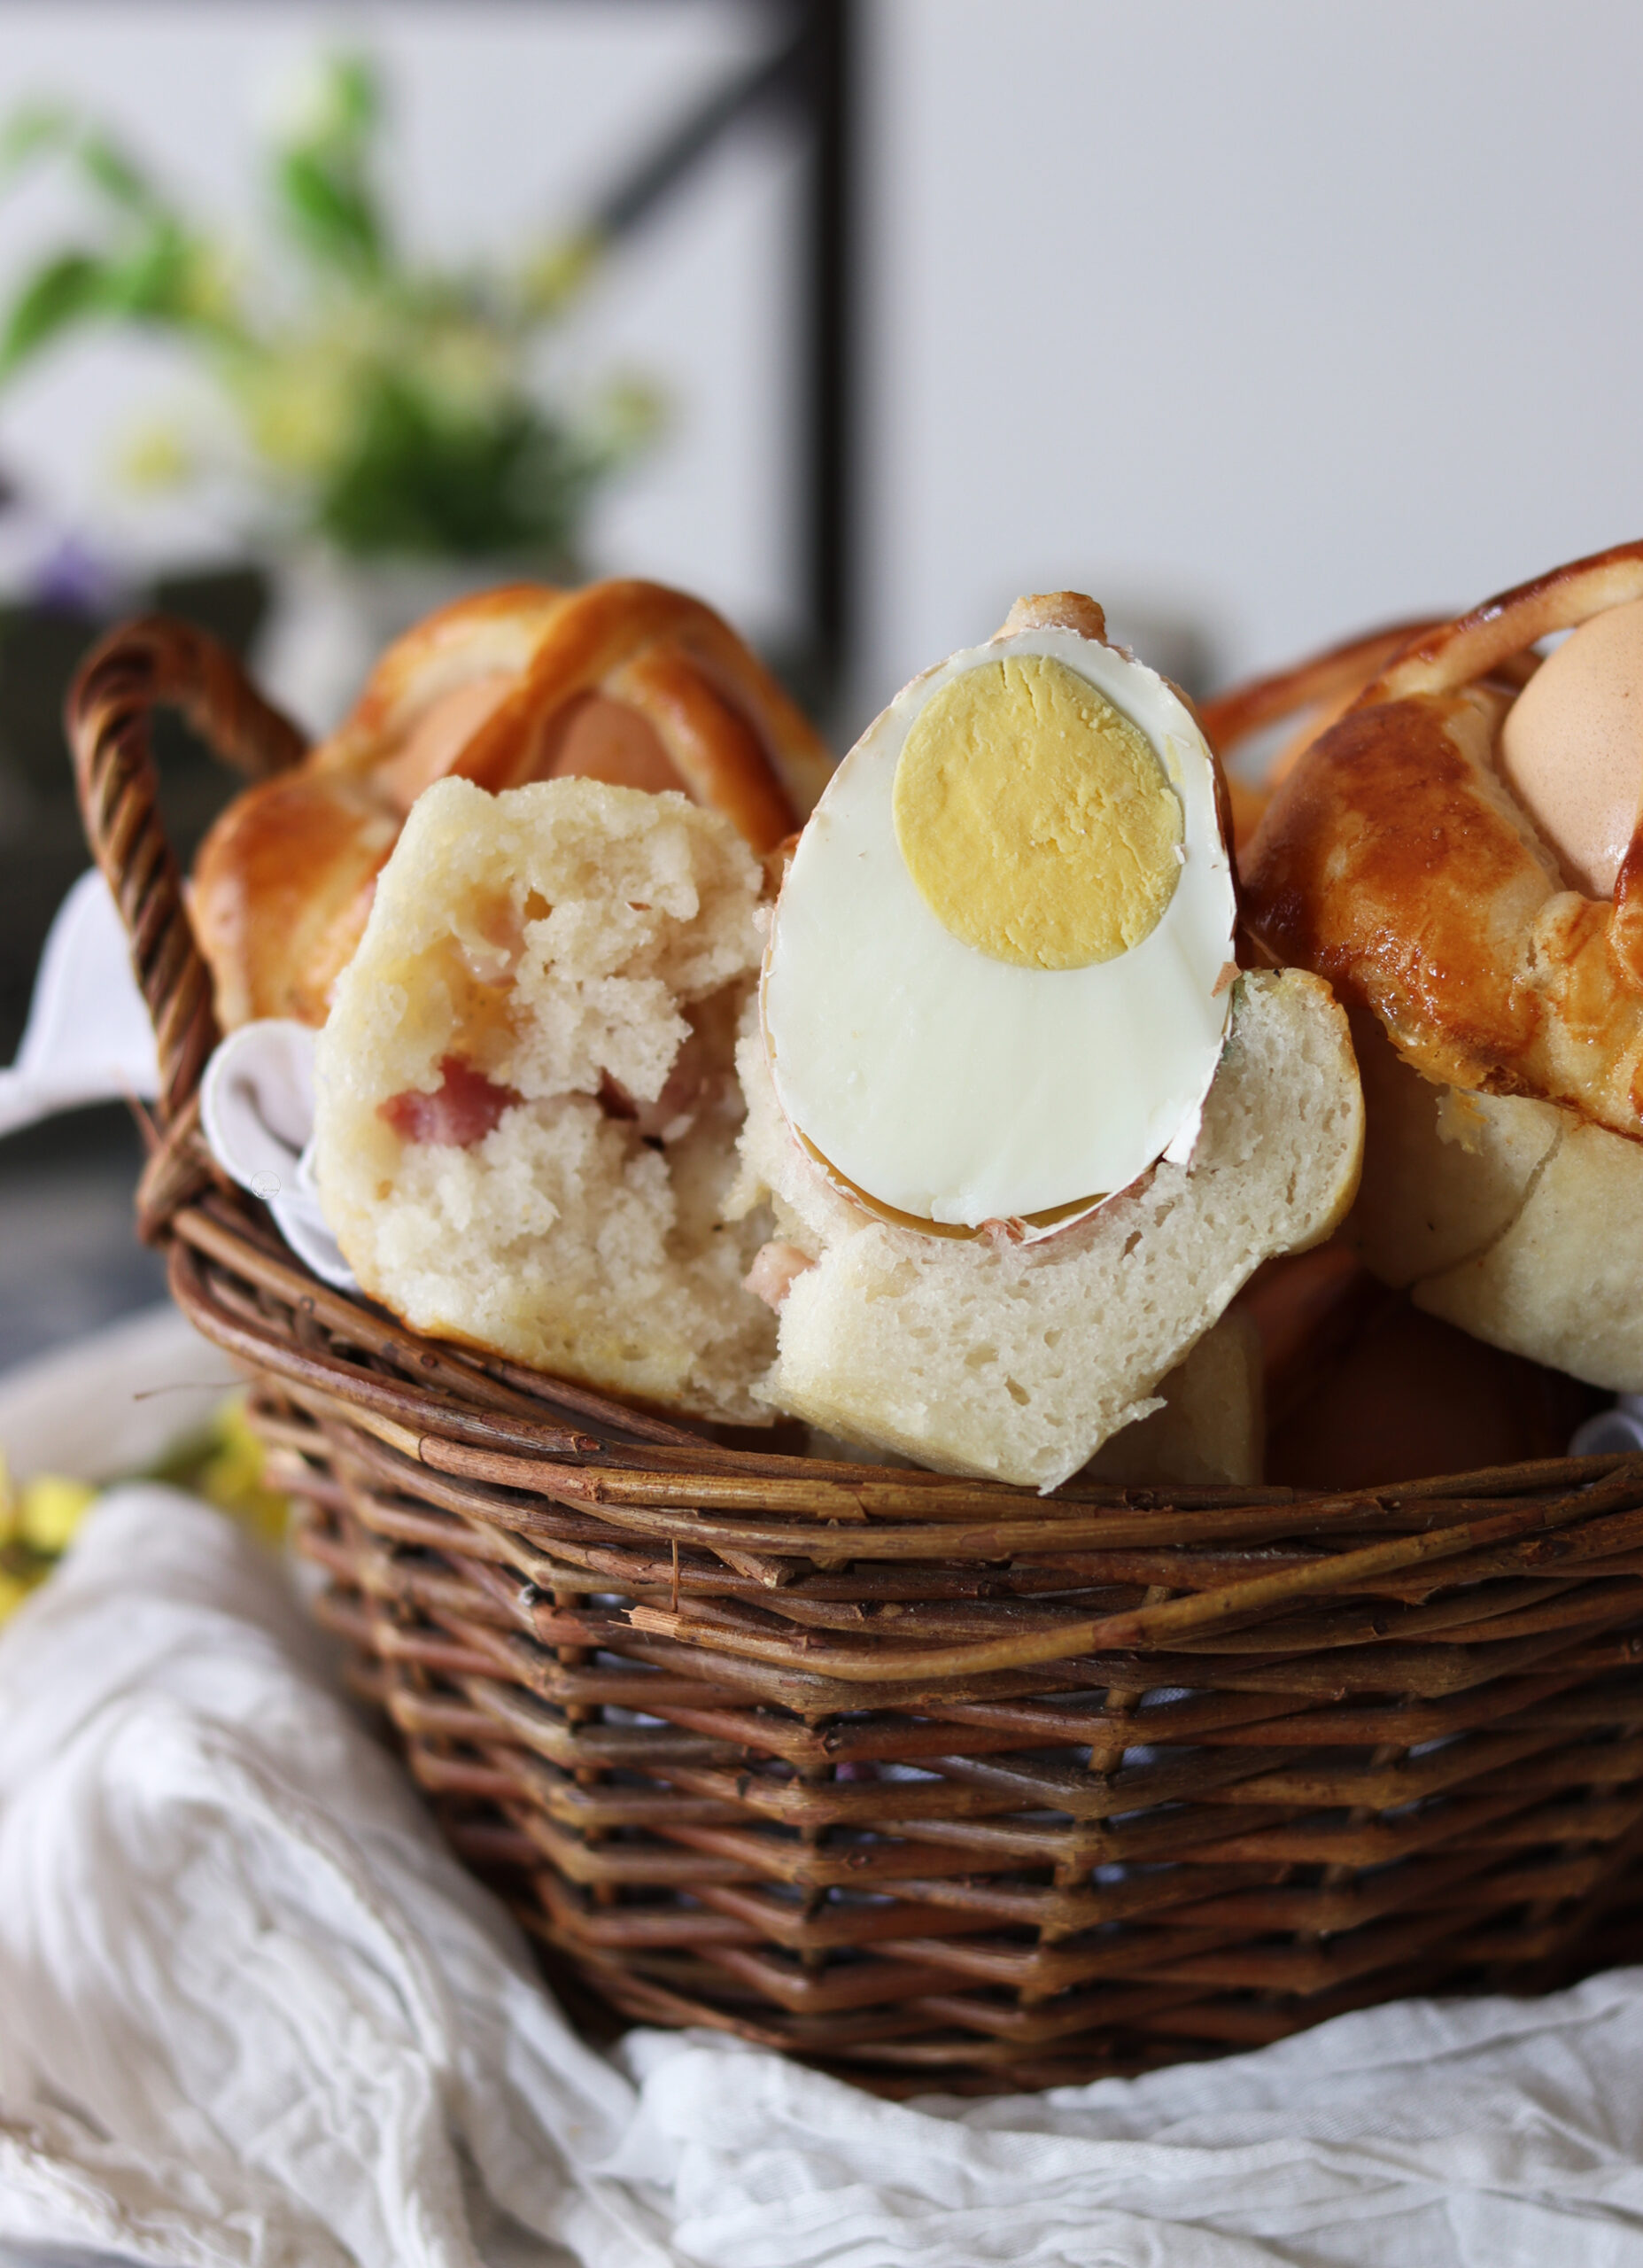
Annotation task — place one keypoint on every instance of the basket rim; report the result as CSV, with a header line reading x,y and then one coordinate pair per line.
x,y
768,1513
509,1415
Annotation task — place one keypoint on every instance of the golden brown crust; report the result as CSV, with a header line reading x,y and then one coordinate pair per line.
x,y
282,889
1395,861
1311,694
1308,697
623,681
1058,610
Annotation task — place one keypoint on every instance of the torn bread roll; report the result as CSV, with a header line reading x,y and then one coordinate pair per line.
x,y
527,1112
1018,1360
1459,856
1024,1134
526,1100
1207,1426
1517,1219
623,681
1284,713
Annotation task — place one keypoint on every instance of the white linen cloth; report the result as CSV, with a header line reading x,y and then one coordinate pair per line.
x,y
253,2015
87,1037
250,2012
114,1403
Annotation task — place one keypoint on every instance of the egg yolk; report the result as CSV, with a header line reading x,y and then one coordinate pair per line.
x,y
1035,817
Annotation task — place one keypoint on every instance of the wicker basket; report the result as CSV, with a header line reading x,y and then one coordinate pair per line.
x,y
936,1783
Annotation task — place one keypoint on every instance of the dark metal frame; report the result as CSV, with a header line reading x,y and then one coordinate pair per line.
x,y
807,77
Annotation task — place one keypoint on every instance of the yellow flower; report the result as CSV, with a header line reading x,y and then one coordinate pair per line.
x,y
155,456
300,408
558,270
465,367
51,1508
209,282
232,1475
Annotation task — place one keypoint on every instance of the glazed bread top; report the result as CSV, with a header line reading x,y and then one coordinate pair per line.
x,y
1397,861
623,681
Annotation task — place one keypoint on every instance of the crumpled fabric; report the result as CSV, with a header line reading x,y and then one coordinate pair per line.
x,y
88,1037
252,2014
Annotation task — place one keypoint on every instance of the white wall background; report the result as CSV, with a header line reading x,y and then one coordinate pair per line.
x,y
1283,315
1276,318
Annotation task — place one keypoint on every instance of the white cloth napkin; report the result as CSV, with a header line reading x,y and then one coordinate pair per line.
x,y
1620,1428
250,2012
114,1403
256,1110
87,1037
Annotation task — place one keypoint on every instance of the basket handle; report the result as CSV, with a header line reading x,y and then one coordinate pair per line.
x,y
151,663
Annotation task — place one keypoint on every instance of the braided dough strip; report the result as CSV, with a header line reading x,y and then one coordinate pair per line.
x,y
625,681
1316,691
1395,861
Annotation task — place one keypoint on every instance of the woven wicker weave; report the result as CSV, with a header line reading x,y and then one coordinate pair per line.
x,y
936,1783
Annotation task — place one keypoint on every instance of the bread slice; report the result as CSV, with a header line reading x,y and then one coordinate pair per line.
x,y
1516,1219
1019,1360
1207,1424
581,953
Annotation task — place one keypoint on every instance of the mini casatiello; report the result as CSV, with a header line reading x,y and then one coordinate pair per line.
x,y
1025,1129
526,1103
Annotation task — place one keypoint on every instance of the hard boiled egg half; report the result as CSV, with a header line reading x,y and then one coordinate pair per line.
x,y
998,978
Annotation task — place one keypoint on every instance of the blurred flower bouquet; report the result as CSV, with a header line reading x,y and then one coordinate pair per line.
x,y
385,415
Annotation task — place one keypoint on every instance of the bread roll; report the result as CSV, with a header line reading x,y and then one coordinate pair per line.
x,y
1504,1180
1018,1360
526,1103
623,681
1301,702
1211,1427
1409,1396
1516,1219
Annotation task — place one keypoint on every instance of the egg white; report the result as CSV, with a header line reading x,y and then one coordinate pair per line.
x,y
960,1089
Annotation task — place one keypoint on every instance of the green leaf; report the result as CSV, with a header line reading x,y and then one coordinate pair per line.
x,y
420,482
331,211
556,271
322,176
152,283
44,128
28,133
66,290
116,174
356,100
